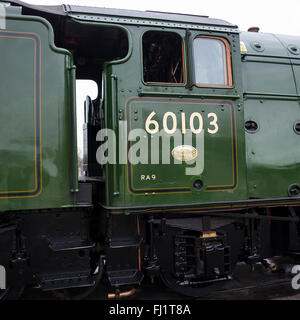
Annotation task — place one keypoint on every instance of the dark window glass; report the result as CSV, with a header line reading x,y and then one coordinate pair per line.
x,y
162,57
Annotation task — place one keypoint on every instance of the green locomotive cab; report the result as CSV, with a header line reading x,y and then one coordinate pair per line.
x,y
190,165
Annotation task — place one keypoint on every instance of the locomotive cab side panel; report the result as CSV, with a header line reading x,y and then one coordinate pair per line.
x,y
169,96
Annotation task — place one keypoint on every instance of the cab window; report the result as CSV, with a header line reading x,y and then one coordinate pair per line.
x,y
212,62
163,58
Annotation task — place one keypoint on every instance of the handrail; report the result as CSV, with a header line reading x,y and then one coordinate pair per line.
x,y
114,107
73,138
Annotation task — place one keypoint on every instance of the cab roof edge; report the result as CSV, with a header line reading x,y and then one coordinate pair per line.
x,y
67,10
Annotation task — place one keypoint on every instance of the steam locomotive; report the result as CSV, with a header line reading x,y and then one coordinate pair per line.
x,y
191,149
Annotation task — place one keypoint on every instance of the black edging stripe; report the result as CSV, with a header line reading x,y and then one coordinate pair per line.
x,y
37,116
182,101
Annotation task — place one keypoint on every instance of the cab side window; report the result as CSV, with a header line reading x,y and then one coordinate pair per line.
x,y
163,60
212,62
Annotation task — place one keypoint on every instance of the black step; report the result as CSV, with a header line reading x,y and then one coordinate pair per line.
x,y
125,277
71,245
125,242
66,280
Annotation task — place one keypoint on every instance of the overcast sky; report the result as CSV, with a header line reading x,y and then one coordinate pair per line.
x,y
275,16
271,16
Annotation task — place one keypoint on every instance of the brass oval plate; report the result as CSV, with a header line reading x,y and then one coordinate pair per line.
x,y
184,153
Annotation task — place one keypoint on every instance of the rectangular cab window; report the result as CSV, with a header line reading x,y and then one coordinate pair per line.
x,y
163,59
212,62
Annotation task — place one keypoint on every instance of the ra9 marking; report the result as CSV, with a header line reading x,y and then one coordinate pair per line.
x,y
152,125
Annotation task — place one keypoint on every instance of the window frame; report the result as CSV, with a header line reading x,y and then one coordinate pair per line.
x,y
227,59
183,50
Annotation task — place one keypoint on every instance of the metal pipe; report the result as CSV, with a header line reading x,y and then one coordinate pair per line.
x,y
121,294
114,108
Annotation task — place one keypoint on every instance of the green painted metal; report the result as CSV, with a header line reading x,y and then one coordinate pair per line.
x,y
272,100
269,175
36,128
137,100
239,166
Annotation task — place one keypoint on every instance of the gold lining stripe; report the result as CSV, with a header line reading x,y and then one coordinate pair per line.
x,y
40,111
168,102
